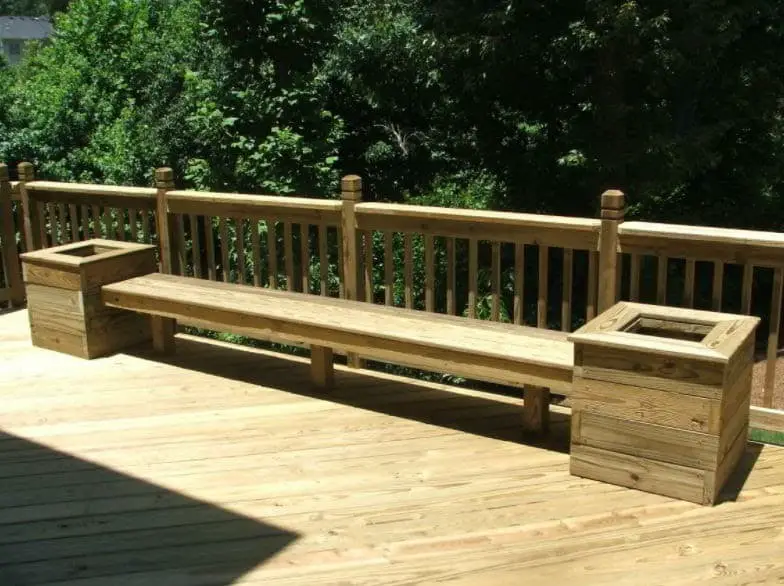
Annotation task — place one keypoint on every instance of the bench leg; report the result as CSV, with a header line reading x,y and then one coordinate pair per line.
x,y
163,329
536,409
322,369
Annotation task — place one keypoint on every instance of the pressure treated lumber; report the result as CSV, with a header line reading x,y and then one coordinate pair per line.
x,y
387,479
661,399
578,233
501,353
64,300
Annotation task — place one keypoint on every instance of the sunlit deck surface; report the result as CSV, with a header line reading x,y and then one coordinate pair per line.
x,y
220,466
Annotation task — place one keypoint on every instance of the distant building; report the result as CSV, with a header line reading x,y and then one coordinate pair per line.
x,y
18,31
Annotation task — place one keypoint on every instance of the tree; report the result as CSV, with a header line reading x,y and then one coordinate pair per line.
x,y
102,101
32,7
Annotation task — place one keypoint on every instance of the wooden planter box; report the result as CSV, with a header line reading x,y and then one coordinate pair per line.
x,y
64,296
661,399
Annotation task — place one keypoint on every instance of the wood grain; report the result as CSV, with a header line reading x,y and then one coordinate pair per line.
x,y
355,327
144,456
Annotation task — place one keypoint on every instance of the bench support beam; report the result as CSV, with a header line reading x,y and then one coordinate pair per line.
x,y
536,409
163,329
322,369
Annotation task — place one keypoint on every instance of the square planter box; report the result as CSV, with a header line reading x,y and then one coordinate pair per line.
x,y
64,296
661,399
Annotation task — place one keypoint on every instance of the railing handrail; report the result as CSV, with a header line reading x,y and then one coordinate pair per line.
x,y
90,194
563,231
294,209
703,242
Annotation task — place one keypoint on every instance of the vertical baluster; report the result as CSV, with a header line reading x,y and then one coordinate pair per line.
x,y
541,302
193,220
593,285
451,280
223,227
634,288
430,274
240,230
473,262
63,218
688,283
519,282
85,222
566,297
341,283
182,254
717,291
108,223
408,268
96,217
272,253
74,217
367,268
121,229
495,281
43,212
51,212
748,278
255,240
389,268
773,337
661,279
133,224
323,259
619,277
146,226
304,256
288,255
209,244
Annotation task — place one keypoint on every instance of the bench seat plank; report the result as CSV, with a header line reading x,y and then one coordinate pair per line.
x,y
503,353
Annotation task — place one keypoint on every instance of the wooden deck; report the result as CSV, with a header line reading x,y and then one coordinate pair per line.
x,y
221,466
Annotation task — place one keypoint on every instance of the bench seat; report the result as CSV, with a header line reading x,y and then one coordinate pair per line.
x,y
500,353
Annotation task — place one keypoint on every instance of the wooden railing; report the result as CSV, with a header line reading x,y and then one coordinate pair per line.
x,y
681,250
546,271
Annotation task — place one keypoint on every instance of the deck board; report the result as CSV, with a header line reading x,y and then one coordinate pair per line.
x,y
221,465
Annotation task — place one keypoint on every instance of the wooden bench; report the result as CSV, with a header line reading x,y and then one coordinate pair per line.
x,y
534,359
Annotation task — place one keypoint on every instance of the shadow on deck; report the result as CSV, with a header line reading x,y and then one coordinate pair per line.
x,y
68,519
490,416
221,466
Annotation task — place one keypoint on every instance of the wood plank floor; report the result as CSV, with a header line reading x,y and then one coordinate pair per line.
x,y
221,466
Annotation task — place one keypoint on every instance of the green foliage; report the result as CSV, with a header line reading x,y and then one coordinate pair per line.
x,y
766,437
511,105
268,109
32,7
101,101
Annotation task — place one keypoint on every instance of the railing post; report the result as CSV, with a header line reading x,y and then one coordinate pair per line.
x,y
164,222
32,223
613,209
351,194
13,269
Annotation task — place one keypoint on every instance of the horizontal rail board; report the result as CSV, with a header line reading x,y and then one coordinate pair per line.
x,y
680,241
556,231
233,205
101,195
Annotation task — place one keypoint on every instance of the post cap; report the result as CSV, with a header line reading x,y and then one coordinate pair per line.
x,y
164,177
351,183
4,172
26,171
613,199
